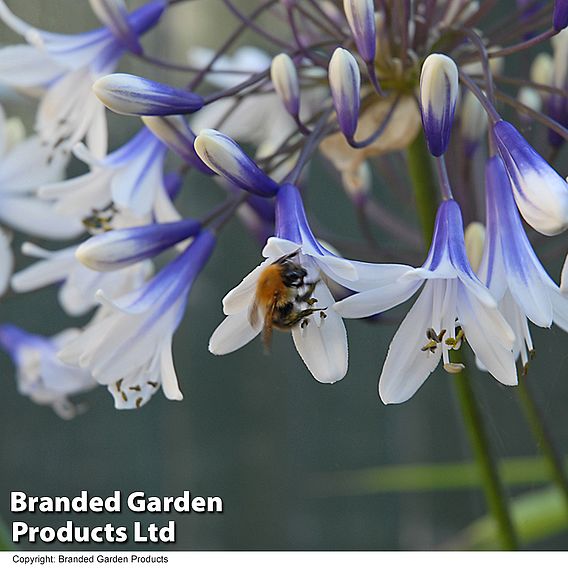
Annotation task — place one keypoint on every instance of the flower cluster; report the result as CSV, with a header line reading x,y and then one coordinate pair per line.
x,y
373,87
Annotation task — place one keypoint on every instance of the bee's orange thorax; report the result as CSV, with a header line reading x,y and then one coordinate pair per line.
x,y
270,288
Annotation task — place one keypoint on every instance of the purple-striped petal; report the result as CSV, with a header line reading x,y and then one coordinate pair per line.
x,y
120,248
540,192
360,15
345,84
438,95
133,95
225,157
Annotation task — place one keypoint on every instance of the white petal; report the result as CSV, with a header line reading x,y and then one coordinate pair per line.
x,y
97,135
323,344
241,297
489,335
37,218
6,261
45,272
170,384
407,366
233,332
378,300
560,308
27,66
276,247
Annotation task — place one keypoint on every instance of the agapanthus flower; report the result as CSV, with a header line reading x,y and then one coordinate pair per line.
x,y
129,348
39,373
66,67
540,192
320,336
453,304
510,268
131,177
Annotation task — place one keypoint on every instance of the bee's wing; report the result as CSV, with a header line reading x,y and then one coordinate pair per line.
x,y
253,313
267,327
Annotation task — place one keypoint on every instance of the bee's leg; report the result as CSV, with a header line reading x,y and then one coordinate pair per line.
x,y
306,296
301,316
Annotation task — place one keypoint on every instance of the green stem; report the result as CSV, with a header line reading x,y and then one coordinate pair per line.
x,y
426,192
424,184
492,486
543,437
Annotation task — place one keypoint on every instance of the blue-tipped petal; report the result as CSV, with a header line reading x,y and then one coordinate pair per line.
x,y
133,95
176,134
438,96
345,85
360,15
560,15
225,157
285,80
540,192
120,248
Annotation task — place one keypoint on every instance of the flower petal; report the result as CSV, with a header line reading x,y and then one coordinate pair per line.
x,y
233,332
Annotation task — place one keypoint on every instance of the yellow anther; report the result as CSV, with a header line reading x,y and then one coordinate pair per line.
x,y
454,368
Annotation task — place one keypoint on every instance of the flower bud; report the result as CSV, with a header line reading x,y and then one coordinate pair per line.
x,y
360,15
438,95
560,15
345,84
540,193
225,157
176,134
285,80
120,248
114,15
132,95
473,122
474,241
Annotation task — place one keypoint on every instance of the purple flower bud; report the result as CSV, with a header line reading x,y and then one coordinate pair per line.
x,y
438,95
224,156
345,84
120,248
560,15
360,15
132,95
285,80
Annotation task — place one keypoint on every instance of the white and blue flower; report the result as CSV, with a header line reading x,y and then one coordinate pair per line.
x,y
510,268
129,348
39,373
322,343
452,296
66,67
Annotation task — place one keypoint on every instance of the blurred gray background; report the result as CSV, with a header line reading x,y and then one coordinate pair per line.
x,y
257,430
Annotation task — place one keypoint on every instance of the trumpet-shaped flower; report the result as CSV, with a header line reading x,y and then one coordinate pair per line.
x,y
511,269
320,336
131,177
129,349
452,296
67,65
39,374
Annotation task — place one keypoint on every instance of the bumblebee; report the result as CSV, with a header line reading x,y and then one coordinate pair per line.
x,y
281,291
